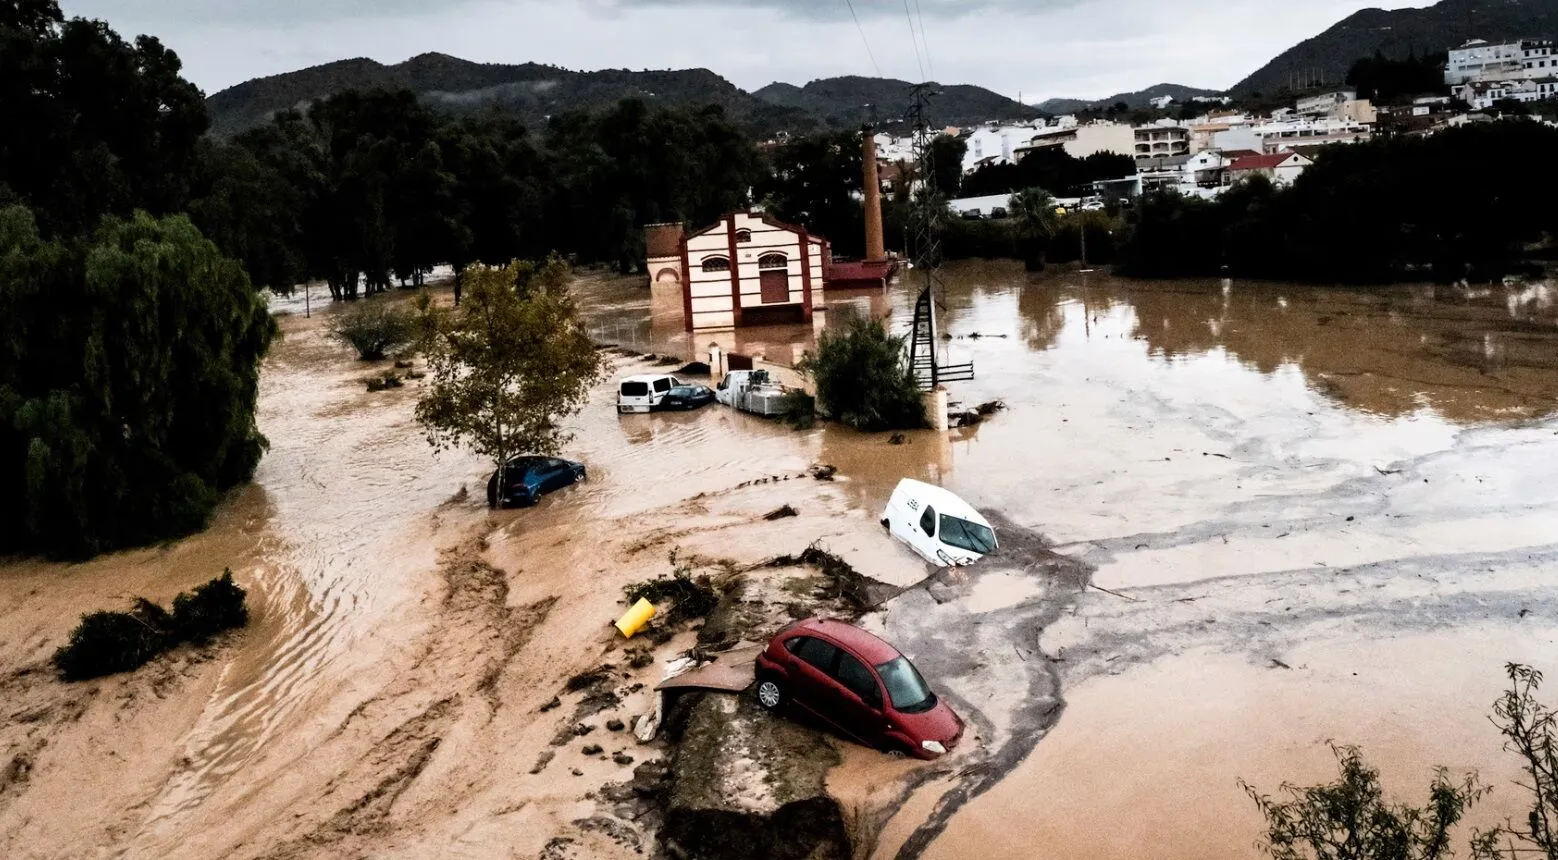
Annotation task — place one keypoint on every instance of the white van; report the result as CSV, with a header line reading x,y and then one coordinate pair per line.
x,y
940,527
644,392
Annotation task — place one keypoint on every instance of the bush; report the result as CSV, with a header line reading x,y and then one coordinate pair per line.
x,y
105,643
212,608
691,596
108,642
373,329
864,379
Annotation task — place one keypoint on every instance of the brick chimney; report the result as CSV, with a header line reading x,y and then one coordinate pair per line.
x,y
876,250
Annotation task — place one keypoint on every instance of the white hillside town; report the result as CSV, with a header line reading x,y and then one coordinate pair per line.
x,y
1207,154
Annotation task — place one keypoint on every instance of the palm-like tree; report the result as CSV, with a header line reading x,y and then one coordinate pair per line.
x,y
1037,223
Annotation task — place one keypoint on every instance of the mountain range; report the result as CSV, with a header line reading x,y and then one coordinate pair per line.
x,y
1135,100
535,91
1325,58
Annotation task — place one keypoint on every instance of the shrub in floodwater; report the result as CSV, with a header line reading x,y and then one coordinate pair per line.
x,y
105,643
373,329
212,608
691,596
864,379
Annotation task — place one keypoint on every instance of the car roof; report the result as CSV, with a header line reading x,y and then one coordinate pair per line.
x,y
942,500
647,377
866,646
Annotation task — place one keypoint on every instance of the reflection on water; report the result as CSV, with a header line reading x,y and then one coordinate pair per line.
x,y
1470,354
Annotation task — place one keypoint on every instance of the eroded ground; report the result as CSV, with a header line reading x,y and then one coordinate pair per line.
x,y
1305,514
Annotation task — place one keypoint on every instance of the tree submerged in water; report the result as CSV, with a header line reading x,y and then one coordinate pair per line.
x,y
864,380
507,363
1350,819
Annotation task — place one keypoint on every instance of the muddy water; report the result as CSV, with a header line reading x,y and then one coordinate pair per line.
x,y
1268,475
1265,475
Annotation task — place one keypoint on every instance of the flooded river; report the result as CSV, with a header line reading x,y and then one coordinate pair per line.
x,y
1318,513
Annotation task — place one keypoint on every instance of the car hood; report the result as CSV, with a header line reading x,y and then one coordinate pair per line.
x,y
937,724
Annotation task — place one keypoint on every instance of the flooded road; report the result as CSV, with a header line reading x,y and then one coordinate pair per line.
x,y
1270,475
1278,486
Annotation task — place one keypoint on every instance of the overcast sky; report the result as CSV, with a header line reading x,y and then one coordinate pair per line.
x,y
1038,48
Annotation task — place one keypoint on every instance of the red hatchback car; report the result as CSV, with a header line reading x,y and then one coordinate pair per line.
x,y
857,684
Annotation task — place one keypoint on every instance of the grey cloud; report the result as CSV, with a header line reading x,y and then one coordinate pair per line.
x,y
838,10
248,13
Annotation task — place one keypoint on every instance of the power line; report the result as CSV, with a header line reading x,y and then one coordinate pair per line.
x,y
929,66
914,39
863,39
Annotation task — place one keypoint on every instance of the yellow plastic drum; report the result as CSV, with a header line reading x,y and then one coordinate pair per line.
x,y
636,617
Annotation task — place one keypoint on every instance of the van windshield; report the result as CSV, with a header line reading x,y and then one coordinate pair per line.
x,y
964,534
905,687
635,389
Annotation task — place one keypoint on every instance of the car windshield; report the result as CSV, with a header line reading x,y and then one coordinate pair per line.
x,y
964,534
635,389
905,687
684,391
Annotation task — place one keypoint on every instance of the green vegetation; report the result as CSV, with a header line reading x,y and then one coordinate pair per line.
x,y
129,371
1037,224
1365,213
374,330
1053,169
105,643
507,363
1350,819
863,378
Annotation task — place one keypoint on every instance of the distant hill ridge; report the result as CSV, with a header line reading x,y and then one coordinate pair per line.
x,y
1133,100
1327,57
535,91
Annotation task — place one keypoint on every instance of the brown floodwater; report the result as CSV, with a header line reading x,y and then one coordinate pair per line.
x,y
1262,475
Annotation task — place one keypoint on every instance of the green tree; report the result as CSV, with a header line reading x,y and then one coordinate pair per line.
x,y
129,371
1529,730
507,364
863,378
1350,819
1037,223
814,181
946,158
94,125
373,329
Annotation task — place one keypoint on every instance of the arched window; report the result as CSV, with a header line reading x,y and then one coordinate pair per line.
x,y
743,235
716,264
773,261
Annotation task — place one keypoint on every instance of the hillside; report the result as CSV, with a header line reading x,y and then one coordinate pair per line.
x,y
530,90
535,91
1325,59
843,102
1135,100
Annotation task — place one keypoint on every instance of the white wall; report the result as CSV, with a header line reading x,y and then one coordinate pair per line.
x,y
712,307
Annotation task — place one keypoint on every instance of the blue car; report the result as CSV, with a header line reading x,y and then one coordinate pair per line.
x,y
526,479
686,397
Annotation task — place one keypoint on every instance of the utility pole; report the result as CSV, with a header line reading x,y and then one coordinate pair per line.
x,y
927,209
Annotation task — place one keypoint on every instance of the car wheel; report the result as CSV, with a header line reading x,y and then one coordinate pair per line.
x,y
492,493
770,693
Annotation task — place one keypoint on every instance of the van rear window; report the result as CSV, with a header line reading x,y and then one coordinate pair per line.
x,y
635,389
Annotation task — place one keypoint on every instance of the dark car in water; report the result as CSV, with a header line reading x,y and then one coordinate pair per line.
x,y
858,685
687,397
527,479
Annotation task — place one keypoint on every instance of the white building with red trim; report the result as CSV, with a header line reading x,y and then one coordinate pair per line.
x,y
750,269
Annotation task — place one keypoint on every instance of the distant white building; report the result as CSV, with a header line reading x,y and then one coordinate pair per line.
x,y
994,144
1080,141
1288,135
1479,60
1160,102
1282,168
1161,139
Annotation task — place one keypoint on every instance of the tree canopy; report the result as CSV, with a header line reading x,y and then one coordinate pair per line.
x,y
508,363
128,382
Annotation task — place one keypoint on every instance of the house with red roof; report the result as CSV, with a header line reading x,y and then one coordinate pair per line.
x,y
1281,168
